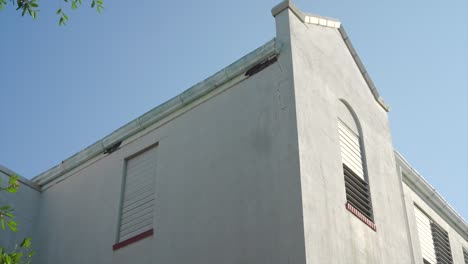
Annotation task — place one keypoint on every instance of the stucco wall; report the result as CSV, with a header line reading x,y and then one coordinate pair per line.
x,y
457,242
227,186
251,173
26,209
324,73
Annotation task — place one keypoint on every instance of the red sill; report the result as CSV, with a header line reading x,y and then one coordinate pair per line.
x,y
132,240
361,217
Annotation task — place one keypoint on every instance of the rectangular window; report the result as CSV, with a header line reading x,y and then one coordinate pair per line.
x,y
433,240
137,207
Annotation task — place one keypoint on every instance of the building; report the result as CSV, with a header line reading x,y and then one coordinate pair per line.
x,y
285,156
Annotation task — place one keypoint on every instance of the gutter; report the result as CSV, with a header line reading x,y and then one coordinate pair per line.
x,y
190,95
429,194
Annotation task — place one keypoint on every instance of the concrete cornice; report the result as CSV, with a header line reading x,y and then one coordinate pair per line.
x,y
21,179
333,23
160,112
429,195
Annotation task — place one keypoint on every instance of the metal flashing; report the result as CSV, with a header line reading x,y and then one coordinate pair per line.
x,y
158,113
429,194
333,23
363,70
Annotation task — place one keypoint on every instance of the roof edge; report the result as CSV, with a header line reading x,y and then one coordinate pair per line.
x,y
333,23
363,70
21,179
161,111
429,194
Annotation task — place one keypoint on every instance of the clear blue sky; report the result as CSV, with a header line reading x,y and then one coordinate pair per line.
x,y
63,88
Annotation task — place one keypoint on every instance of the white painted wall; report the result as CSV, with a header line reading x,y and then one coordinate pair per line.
x,y
457,242
26,205
252,175
227,186
324,73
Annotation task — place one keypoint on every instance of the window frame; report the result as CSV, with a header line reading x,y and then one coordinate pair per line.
x,y
435,237
368,217
120,244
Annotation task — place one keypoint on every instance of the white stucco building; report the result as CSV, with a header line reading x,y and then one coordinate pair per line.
x,y
284,156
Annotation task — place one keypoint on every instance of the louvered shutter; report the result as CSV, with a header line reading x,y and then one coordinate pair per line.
x,y
357,188
425,236
350,149
441,244
358,193
136,214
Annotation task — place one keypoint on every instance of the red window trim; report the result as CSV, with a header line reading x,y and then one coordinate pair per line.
x,y
132,240
361,217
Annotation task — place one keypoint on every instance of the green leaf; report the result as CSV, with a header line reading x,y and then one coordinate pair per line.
x,y
26,243
64,16
13,181
13,189
99,9
93,4
17,257
33,4
59,11
74,6
6,208
99,2
9,215
12,225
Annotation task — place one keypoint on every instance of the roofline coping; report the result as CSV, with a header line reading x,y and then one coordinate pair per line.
x,y
333,23
161,111
21,179
305,17
430,195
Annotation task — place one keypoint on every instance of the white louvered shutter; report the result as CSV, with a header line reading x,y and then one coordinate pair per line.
x,y
425,236
137,210
350,149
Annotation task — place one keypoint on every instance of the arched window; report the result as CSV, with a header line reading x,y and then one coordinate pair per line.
x,y
354,165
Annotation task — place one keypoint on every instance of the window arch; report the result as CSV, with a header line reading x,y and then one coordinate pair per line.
x,y
351,143
354,164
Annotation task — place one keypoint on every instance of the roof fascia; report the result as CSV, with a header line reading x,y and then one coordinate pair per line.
x,y
428,194
158,113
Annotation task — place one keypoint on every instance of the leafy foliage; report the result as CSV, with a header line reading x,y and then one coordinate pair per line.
x,y
22,253
32,7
